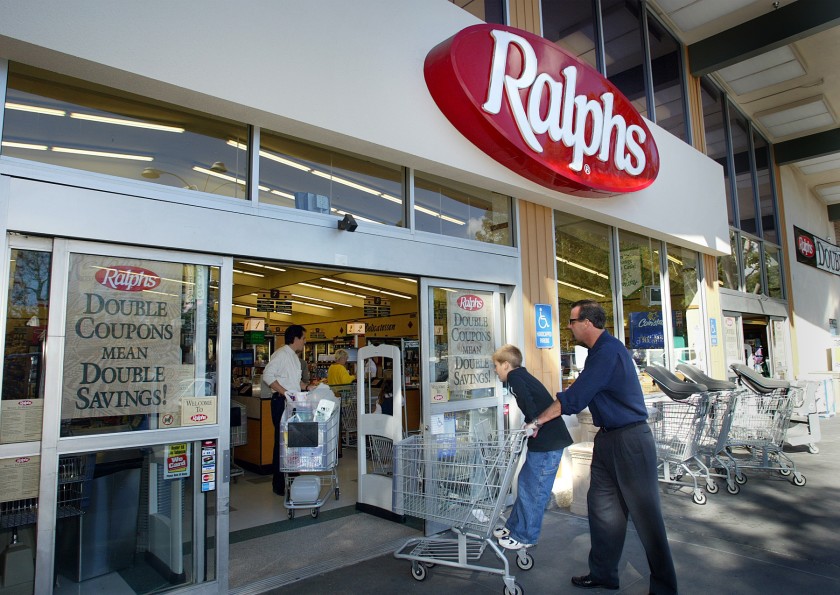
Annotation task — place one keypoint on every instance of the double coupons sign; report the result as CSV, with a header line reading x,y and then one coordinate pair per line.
x,y
540,112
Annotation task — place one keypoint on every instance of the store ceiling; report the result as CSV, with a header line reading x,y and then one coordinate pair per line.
x,y
780,62
317,293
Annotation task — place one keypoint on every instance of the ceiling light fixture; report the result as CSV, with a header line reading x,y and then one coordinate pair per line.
x,y
30,146
579,288
47,111
241,272
102,154
581,267
123,122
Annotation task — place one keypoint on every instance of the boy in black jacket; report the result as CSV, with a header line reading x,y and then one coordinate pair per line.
x,y
545,448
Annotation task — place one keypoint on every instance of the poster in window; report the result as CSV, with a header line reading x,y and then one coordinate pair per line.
x,y
471,341
123,337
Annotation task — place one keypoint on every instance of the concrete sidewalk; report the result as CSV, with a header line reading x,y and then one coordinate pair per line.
x,y
771,538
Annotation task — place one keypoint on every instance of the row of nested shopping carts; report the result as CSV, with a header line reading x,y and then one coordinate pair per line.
x,y
710,429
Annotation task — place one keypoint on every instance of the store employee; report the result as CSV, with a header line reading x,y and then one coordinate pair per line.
x,y
283,373
338,374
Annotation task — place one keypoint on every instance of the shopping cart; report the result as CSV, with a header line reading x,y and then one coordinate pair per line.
x,y
677,426
461,481
309,449
760,424
349,418
722,401
238,435
381,454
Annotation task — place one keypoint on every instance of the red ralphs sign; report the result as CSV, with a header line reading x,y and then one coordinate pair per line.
x,y
540,112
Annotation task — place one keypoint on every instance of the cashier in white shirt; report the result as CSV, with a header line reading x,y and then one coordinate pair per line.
x,y
283,373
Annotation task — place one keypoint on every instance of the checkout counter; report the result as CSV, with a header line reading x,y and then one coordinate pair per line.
x,y
256,453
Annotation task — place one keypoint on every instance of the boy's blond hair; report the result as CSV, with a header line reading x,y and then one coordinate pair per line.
x,y
510,354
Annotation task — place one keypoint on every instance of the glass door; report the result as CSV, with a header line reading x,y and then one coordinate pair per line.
x,y
463,326
733,341
779,337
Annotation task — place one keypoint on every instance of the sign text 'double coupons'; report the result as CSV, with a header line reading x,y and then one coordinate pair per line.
x,y
540,112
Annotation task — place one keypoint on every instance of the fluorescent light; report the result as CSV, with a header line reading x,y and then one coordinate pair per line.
x,y
102,154
210,172
796,117
263,266
392,198
399,295
359,217
438,215
581,267
333,280
409,280
47,111
306,297
764,70
31,147
311,305
160,293
579,288
284,161
124,122
283,194
334,290
321,174
248,273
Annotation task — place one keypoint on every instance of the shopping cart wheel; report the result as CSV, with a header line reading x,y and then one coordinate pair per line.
x,y
712,487
784,471
314,512
741,478
733,488
517,590
813,449
291,514
524,561
699,497
798,479
418,571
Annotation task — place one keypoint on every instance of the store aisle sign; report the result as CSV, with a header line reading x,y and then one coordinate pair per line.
x,y
816,252
541,112
469,318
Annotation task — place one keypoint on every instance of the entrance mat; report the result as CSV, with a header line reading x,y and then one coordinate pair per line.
x,y
304,520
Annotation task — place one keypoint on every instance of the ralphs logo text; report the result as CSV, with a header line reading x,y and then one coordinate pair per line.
x,y
470,303
806,246
541,112
127,278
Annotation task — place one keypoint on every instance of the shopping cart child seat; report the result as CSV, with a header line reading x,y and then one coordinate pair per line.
x,y
672,386
697,376
756,382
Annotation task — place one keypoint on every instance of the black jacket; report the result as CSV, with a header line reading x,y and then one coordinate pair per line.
x,y
533,398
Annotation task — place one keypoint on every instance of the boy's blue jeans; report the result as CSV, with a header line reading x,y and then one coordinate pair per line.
x,y
535,481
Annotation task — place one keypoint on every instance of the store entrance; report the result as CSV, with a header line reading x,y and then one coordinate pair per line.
x,y
757,344
342,311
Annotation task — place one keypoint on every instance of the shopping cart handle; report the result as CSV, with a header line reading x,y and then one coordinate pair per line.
x,y
695,374
756,382
671,385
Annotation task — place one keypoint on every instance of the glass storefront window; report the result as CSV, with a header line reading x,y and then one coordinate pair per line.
x,y
63,121
666,71
22,404
766,202
752,265
641,288
582,252
773,266
19,521
126,518
300,175
740,130
571,26
686,312
461,211
138,341
728,276
623,48
715,132
463,348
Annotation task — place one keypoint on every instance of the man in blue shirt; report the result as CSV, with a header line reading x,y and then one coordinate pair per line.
x,y
624,478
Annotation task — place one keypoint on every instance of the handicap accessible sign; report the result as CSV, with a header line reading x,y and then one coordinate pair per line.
x,y
542,321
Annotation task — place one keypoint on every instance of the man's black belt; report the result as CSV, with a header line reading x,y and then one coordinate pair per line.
x,y
628,426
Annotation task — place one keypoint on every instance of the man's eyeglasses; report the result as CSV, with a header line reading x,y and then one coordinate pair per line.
x,y
574,320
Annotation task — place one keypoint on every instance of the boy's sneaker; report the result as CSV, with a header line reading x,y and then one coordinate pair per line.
x,y
509,543
500,532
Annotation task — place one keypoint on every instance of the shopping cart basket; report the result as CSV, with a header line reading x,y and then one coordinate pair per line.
x,y
309,448
459,480
722,402
677,426
349,418
760,424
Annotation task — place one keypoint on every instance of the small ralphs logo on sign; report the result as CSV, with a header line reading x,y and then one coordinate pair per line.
x,y
127,278
540,112
470,303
